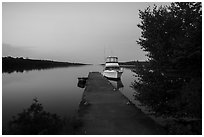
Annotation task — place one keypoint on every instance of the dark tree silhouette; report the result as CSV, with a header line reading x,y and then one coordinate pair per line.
x,y
10,64
35,120
171,83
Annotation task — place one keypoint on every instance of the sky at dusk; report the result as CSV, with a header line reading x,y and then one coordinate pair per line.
x,y
72,32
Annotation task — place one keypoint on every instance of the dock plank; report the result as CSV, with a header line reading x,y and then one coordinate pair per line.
x,y
104,111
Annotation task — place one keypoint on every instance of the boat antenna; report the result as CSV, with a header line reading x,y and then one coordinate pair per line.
x,y
104,52
111,51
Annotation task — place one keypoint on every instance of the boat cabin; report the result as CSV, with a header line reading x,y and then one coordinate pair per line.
x,y
112,60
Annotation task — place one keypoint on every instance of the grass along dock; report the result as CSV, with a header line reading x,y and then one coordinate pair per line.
x,y
106,111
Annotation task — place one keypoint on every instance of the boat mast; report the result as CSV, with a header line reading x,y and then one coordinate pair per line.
x,y
104,50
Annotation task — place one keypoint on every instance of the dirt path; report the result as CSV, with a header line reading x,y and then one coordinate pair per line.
x,y
105,111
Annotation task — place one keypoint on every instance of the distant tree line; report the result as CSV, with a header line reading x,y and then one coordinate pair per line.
x,y
171,83
19,64
134,63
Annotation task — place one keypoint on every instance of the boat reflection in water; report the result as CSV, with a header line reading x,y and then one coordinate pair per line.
x,y
117,83
82,82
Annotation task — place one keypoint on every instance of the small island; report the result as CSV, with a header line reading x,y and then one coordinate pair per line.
x,y
20,64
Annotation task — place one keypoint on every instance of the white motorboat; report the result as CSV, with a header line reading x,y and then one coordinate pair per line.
x,y
112,68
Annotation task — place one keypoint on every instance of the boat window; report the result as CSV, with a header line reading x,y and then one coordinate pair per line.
x,y
112,68
112,59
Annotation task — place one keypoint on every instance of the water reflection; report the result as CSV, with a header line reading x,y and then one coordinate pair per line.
x,y
117,83
55,88
22,70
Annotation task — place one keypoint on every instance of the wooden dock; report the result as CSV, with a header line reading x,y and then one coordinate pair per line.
x,y
106,111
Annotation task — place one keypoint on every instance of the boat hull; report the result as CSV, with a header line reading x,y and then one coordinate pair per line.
x,y
112,74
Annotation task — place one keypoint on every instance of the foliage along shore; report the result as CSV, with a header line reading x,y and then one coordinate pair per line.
x,y
19,64
171,83
133,63
35,120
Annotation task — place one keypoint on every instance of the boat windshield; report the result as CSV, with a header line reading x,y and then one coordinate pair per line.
x,y
112,59
112,68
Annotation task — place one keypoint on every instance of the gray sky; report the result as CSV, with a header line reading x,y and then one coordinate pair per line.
x,y
73,32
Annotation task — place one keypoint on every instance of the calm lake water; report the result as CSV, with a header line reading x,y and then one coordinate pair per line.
x,y
56,89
